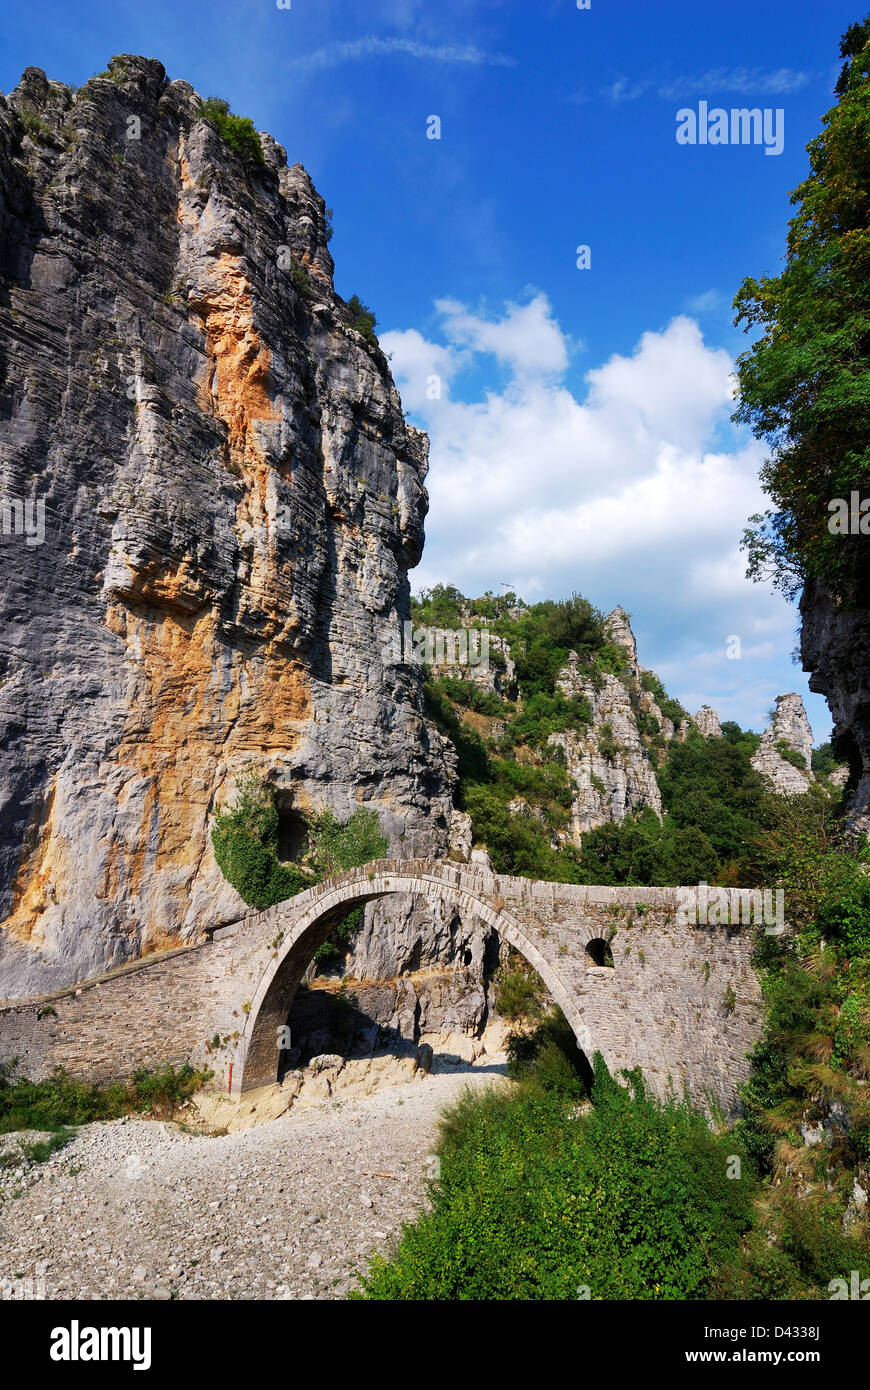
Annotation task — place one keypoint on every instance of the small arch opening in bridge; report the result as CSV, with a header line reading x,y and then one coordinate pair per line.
x,y
598,953
292,834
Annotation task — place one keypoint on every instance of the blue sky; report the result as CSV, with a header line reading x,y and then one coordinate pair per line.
x,y
581,439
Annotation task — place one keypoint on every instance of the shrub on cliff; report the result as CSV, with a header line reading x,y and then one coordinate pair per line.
x,y
245,840
237,131
336,845
362,319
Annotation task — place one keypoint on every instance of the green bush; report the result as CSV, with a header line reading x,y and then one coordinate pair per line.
x,y
536,1201
517,991
335,847
648,724
439,607
36,127
670,708
607,745
245,840
470,696
612,659
236,131
301,279
544,714
791,755
340,845
362,319
548,1057
823,760
62,1100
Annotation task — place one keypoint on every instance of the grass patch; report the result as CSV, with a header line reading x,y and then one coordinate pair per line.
x,y
62,1100
38,1150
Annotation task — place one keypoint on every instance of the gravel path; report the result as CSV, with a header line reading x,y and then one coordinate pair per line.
x,y
292,1208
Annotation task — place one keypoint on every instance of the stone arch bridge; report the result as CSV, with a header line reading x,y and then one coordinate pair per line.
x,y
680,1001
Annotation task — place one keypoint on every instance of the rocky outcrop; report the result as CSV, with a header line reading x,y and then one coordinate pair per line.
x,y
617,626
707,723
608,761
835,643
232,501
784,755
490,667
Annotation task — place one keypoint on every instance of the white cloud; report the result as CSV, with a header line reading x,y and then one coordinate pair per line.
x,y
742,81
527,340
670,389
708,302
624,90
637,493
421,361
776,82
335,53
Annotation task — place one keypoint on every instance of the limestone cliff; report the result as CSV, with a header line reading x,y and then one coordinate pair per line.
x,y
707,722
835,642
784,755
232,500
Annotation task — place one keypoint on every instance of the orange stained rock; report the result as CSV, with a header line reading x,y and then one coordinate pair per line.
x,y
185,724
238,384
39,870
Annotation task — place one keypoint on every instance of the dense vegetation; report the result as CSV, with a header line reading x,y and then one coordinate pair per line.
x,y
503,742
531,1163
714,801
539,1197
804,387
245,840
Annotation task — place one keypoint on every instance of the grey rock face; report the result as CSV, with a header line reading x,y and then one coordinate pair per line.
x,y
608,762
232,500
707,722
496,674
789,729
618,628
835,642
461,837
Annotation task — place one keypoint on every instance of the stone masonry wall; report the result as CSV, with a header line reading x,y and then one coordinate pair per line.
x,y
682,1002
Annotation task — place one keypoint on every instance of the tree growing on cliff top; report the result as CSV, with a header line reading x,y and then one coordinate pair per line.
x,y
237,131
804,386
362,319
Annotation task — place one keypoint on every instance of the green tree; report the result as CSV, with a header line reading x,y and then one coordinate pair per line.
x,y
362,318
804,386
336,845
438,607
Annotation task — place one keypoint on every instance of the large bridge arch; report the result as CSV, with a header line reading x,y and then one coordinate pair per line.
x,y
304,922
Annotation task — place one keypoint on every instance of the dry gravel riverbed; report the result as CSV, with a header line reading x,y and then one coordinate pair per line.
x,y
292,1208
